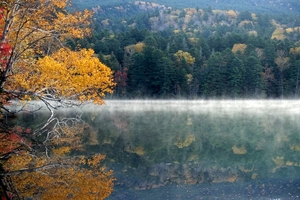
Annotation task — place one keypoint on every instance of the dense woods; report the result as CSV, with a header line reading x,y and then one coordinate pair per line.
x,y
197,53
275,6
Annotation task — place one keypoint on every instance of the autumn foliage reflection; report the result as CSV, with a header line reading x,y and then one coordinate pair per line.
x,y
58,176
28,171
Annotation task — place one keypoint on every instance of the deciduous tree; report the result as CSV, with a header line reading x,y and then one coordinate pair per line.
x,y
121,79
282,63
239,47
72,75
182,55
36,65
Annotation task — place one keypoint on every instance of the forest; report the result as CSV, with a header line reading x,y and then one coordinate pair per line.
x,y
157,51
277,6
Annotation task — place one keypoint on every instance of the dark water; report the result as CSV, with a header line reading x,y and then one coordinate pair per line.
x,y
199,149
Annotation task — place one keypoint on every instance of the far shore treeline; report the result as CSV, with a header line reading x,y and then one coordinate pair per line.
x,y
157,51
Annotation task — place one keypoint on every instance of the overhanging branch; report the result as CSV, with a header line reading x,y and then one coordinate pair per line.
x,y
45,167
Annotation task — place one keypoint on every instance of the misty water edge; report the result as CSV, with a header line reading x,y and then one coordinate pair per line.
x,y
197,149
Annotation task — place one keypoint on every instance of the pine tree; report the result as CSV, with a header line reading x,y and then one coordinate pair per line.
x,y
236,77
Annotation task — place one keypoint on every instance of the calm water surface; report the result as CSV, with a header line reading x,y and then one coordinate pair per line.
x,y
199,149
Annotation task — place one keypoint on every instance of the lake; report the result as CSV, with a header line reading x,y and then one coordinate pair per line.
x,y
202,149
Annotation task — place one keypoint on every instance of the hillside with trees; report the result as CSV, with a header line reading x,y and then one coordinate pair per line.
x,y
266,6
164,52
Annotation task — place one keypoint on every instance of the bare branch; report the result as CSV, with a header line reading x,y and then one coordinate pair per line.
x,y
45,167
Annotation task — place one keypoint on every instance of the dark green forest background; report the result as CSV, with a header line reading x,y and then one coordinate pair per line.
x,y
275,6
212,50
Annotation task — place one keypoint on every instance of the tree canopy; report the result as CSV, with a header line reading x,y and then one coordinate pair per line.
x,y
187,41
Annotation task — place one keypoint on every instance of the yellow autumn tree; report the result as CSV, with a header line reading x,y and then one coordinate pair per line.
x,y
182,55
232,13
138,47
76,75
38,66
37,30
278,34
295,51
239,47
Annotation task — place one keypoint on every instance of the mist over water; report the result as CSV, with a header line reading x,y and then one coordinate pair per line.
x,y
258,106
216,106
186,149
196,149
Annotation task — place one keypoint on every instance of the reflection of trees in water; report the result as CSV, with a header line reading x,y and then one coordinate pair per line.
x,y
160,148
150,150
263,189
50,161
121,122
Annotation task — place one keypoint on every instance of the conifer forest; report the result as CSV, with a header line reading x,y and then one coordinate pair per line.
x,y
160,51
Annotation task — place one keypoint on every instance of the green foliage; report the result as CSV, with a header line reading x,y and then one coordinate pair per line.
x,y
236,77
150,73
207,35
253,76
242,5
245,15
216,69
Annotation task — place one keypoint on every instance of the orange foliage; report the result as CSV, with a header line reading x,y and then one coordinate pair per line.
x,y
12,140
59,176
70,180
38,29
77,75
39,20
38,67
67,138
8,142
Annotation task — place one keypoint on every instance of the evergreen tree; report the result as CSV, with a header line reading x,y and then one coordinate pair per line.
x,y
227,58
235,77
137,75
253,75
270,70
295,77
269,52
155,70
214,76
244,15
